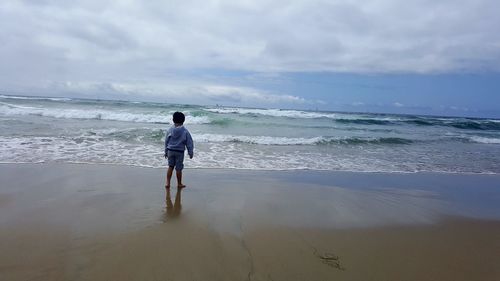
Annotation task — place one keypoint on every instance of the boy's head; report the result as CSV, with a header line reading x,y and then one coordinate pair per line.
x,y
179,117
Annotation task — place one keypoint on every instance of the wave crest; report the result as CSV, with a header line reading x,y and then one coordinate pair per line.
x,y
272,112
485,140
97,114
267,140
368,119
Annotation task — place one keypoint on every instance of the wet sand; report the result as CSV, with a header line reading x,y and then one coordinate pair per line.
x,y
95,222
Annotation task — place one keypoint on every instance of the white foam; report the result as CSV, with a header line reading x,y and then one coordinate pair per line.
x,y
268,140
197,120
273,112
485,140
298,114
11,106
100,114
91,149
265,140
98,150
34,98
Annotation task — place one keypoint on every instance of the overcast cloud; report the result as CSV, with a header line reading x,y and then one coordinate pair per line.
x,y
136,46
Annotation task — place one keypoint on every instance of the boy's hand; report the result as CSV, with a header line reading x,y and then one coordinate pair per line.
x,y
165,155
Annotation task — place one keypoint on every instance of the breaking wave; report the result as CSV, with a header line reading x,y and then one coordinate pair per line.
x,y
97,114
371,119
267,140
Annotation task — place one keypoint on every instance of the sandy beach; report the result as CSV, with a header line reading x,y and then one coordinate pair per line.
x,y
102,222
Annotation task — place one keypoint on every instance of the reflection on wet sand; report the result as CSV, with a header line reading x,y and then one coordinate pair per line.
x,y
173,211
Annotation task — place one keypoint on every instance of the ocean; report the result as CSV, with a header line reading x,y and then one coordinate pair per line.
x,y
70,130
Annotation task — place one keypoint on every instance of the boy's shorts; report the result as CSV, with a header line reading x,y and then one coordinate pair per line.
x,y
176,159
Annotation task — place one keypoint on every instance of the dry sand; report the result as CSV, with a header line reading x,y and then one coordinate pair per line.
x,y
90,222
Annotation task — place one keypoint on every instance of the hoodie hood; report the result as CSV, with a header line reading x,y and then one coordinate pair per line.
x,y
177,131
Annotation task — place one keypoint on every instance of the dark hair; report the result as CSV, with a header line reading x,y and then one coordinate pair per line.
x,y
179,117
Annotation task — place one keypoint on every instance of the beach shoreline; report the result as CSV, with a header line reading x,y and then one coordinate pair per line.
x,y
103,222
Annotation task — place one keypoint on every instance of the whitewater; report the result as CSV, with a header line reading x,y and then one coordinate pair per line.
x,y
55,129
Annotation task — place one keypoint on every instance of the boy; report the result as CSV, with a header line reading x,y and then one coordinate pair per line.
x,y
177,140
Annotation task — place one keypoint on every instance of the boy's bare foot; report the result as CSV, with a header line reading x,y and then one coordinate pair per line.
x,y
181,185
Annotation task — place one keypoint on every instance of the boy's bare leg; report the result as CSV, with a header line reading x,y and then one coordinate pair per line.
x,y
169,176
179,179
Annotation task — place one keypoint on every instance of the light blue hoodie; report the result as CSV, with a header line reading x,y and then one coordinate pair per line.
x,y
178,139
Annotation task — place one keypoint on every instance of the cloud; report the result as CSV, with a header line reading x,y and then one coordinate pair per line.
x,y
285,36
143,47
187,92
248,95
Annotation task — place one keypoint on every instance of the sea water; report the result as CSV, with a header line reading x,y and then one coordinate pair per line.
x,y
68,130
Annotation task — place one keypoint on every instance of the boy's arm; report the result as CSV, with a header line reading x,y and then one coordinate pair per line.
x,y
189,145
167,139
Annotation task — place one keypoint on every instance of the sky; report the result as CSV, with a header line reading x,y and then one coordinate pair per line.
x,y
415,57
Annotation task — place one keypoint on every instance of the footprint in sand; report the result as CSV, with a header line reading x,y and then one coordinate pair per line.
x,y
331,260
